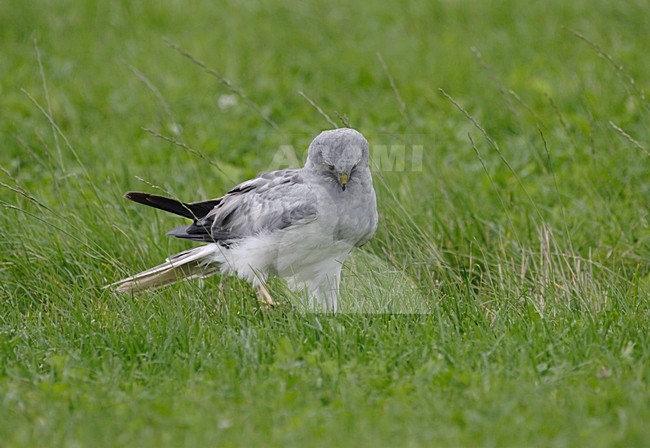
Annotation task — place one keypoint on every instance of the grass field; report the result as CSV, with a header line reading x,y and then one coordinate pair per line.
x,y
524,229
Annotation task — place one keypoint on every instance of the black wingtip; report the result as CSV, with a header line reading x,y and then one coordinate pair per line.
x,y
193,211
134,195
160,202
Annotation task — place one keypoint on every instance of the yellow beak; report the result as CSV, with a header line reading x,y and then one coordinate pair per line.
x,y
344,180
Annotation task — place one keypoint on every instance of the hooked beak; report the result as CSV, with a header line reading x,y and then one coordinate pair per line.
x,y
344,180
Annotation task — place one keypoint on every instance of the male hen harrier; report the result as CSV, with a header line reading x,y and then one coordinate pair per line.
x,y
297,224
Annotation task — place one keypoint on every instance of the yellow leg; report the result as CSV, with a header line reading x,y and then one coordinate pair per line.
x,y
264,297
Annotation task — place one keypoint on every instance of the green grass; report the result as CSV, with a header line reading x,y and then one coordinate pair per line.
x,y
528,239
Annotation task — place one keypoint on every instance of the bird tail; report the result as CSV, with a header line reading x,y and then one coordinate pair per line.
x,y
198,262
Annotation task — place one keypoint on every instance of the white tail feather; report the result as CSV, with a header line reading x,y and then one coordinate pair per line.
x,y
193,263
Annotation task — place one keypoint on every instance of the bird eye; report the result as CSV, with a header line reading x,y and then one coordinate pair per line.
x,y
329,166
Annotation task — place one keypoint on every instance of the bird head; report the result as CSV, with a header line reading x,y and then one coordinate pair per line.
x,y
337,154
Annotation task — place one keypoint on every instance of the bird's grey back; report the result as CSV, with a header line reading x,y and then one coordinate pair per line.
x,y
271,201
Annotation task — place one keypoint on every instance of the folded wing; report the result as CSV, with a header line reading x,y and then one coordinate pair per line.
x,y
270,202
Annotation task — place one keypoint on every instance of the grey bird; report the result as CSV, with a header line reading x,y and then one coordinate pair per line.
x,y
296,224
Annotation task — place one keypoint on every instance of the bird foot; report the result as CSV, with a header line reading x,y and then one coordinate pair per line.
x,y
266,301
264,298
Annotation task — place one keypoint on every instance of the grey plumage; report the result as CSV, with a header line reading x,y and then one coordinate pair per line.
x,y
298,224
272,201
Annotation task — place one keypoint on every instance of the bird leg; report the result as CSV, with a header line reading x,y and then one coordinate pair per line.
x,y
264,297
